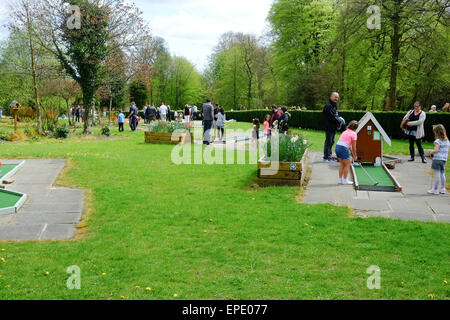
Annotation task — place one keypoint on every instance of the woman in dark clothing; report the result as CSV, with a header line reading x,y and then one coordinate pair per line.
x,y
415,120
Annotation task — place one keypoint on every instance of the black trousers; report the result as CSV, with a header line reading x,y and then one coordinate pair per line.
x,y
418,142
207,125
121,129
133,123
329,143
221,132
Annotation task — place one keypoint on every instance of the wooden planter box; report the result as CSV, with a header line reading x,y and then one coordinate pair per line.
x,y
168,138
289,174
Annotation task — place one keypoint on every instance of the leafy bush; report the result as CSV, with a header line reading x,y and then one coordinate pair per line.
x,y
4,136
106,131
390,121
32,133
291,148
62,133
167,127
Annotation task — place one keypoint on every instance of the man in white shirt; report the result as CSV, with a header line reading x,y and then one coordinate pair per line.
x,y
163,112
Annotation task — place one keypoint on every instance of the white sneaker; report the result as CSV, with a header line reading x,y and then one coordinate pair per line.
x,y
433,191
341,181
443,191
347,182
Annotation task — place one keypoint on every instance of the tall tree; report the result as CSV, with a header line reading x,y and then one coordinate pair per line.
x,y
24,16
84,49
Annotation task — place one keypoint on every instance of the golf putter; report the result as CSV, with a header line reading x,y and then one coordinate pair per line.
x,y
376,183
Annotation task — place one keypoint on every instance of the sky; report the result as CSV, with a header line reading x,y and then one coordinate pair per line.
x,y
3,31
192,27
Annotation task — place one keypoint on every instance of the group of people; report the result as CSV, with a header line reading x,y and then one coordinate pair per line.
x,y
163,113
413,125
77,113
277,121
214,118
445,108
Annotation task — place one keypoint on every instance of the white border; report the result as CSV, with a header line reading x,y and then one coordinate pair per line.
x,y
13,171
369,116
17,206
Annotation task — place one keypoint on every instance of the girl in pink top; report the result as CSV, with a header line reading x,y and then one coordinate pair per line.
x,y
347,143
267,126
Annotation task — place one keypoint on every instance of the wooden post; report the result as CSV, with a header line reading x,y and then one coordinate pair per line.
x,y
15,109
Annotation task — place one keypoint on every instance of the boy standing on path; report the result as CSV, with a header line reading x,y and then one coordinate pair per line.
x,y
121,118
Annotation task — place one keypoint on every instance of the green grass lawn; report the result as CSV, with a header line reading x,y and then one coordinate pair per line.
x,y
199,231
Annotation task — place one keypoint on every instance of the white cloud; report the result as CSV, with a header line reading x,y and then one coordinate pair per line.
x,y
192,27
3,19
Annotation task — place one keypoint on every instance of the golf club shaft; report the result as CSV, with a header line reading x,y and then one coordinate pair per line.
x,y
370,177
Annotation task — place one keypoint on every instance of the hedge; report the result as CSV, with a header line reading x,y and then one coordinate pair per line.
x,y
390,121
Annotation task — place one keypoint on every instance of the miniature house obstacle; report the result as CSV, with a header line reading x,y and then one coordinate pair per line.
x,y
372,174
370,140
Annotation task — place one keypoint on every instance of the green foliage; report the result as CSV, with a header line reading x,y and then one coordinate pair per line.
x,y
167,127
139,92
241,73
322,46
106,131
61,132
176,82
290,148
303,31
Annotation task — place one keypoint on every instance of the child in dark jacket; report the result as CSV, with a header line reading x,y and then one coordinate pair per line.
x,y
283,125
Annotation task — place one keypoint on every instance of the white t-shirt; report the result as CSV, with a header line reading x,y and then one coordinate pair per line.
x,y
163,109
444,146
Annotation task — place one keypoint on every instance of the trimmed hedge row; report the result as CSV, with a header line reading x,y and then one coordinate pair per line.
x,y
390,121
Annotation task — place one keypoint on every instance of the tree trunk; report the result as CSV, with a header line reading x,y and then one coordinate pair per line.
x,y
344,63
33,71
395,56
110,108
89,105
68,112
235,82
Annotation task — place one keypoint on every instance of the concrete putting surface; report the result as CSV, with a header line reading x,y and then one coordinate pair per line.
x,y
412,204
50,213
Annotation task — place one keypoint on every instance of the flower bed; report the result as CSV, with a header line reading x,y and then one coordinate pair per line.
x,y
292,164
168,133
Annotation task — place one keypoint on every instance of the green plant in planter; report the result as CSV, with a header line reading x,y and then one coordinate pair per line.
x,y
291,148
167,127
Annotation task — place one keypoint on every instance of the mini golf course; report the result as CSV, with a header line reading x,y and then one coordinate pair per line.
x,y
6,169
10,202
372,178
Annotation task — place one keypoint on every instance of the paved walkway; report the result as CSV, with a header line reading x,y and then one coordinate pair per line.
x,y
50,213
412,204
